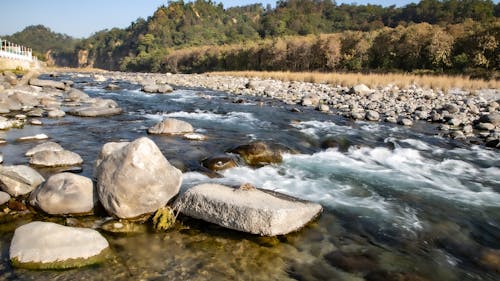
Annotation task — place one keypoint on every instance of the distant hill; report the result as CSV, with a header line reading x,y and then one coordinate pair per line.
x,y
41,39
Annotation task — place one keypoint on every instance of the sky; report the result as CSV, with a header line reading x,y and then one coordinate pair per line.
x,y
80,19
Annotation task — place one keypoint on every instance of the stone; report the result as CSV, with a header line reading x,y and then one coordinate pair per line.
x,y
195,137
37,112
65,193
361,89
49,158
109,148
260,153
47,83
247,209
4,197
46,245
10,77
372,115
493,118
1,158
76,95
19,180
51,146
324,108
451,108
35,137
90,111
112,87
485,126
171,126
153,88
32,74
36,122
136,180
56,113
406,122
219,162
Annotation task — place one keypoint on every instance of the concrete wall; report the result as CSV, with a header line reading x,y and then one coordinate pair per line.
x,y
6,63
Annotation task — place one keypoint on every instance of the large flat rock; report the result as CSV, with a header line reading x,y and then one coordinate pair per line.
x,y
91,111
46,245
247,209
50,158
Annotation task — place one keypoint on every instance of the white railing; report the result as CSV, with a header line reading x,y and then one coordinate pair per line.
x,y
14,51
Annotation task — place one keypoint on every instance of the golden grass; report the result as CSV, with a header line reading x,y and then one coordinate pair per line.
x,y
372,80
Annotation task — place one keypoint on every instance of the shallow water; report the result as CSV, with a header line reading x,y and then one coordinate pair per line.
x,y
398,202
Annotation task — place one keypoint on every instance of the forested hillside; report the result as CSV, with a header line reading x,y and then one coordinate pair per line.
x,y
451,36
42,40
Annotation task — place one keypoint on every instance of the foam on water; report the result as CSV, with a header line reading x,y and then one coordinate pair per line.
x,y
234,118
317,128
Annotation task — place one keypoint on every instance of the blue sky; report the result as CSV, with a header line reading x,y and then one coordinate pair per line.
x,y
82,18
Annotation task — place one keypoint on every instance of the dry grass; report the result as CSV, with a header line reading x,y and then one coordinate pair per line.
x,y
441,82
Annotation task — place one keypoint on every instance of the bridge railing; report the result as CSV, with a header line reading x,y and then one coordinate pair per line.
x,y
14,51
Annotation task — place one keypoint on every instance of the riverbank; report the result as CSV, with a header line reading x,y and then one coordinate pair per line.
x,y
472,116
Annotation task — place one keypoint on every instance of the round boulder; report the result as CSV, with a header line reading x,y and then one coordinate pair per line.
x,y
65,193
136,179
219,162
171,126
46,245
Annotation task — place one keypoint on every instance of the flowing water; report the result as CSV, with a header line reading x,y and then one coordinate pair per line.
x,y
398,202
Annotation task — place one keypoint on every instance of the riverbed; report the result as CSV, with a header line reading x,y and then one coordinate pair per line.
x,y
399,202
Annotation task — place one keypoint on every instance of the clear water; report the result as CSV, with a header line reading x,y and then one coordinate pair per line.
x,y
398,202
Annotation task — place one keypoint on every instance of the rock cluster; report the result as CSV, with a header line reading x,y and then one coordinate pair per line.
x,y
461,114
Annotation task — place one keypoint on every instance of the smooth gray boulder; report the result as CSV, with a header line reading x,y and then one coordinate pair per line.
x,y
46,146
136,179
19,180
56,113
47,83
247,209
4,197
49,158
109,148
46,245
65,193
171,126
76,95
91,111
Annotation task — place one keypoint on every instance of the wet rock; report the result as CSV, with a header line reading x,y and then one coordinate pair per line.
x,y
46,245
36,122
494,143
91,111
76,95
32,138
247,209
406,122
372,115
351,262
49,158
382,275
56,113
65,193
171,126
153,88
195,137
491,259
112,87
50,146
260,153
219,162
37,112
4,197
47,83
123,227
136,179
19,180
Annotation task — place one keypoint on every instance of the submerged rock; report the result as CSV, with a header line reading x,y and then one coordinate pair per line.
x,y
65,193
49,158
171,126
261,153
19,180
46,146
136,179
247,209
46,245
219,162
